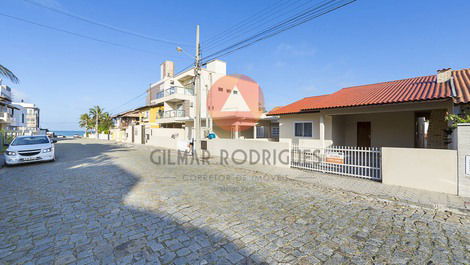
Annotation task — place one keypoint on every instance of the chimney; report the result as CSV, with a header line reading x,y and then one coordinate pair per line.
x,y
167,70
444,75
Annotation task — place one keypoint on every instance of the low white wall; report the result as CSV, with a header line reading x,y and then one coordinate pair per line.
x,y
170,138
427,169
250,151
129,134
103,136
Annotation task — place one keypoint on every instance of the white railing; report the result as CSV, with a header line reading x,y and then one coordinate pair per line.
x,y
174,114
174,90
361,162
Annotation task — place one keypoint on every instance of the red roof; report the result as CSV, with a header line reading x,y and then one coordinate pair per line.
x,y
406,90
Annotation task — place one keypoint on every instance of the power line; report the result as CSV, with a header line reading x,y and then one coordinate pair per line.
x,y
305,11
254,17
74,33
107,26
302,18
265,18
129,101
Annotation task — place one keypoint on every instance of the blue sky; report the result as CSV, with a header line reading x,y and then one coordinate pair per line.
x,y
366,42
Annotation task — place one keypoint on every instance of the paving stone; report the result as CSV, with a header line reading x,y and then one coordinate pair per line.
x,y
103,203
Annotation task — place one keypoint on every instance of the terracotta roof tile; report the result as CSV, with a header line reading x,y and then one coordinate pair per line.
x,y
405,90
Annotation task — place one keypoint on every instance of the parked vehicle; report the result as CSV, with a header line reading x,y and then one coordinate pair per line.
x,y
27,149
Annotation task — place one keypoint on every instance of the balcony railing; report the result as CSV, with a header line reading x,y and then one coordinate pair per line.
x,y
174,114
174,90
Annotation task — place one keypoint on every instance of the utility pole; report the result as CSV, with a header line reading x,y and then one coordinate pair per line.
x,y
197,85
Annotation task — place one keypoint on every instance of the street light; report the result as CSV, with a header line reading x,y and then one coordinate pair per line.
x,y
180,50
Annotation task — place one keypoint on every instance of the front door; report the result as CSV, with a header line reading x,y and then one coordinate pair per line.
x,y
363,134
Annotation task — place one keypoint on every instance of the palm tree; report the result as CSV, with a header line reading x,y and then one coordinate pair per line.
x,y
96,119
106,123
85,122
96,114
4,72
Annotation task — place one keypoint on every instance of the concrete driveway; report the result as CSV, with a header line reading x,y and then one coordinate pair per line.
x,y
103,203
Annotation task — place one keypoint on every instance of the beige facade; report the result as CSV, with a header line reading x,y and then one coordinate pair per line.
x,y
388,125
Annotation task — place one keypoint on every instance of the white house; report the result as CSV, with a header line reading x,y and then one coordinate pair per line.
x,y
403,113
27,117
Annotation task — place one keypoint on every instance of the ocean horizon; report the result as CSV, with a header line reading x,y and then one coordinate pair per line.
x,y
68,132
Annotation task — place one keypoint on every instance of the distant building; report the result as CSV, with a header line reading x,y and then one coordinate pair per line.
x,y
28,116
6,107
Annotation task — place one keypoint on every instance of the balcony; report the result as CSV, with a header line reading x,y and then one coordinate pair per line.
x,y
6,118
174,114
173,93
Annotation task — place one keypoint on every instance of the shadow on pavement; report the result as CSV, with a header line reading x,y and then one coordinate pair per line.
x,y
74,210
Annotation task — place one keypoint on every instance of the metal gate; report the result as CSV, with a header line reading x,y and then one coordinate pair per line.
x,y
361,162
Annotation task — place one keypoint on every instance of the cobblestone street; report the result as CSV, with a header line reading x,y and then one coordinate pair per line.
x,y
103,203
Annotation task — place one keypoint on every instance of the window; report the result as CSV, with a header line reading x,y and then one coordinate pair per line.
x,y
235,92
30,140
275,132
303,129
221,89
259,131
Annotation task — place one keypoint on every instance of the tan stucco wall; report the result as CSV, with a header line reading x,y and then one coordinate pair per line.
x,y
286,129
391,129
427,169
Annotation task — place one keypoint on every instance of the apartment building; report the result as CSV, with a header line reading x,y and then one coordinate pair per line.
x,y
172,98
29,115
7,110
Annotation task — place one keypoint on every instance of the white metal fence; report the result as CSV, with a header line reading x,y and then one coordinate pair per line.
x,y
362,162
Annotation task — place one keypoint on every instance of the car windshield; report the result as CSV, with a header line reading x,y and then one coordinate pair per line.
x,y
30,140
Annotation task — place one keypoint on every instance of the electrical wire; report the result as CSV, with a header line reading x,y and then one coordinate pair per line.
x,y
300,18
127,102
74,33
266,18
107,26
273,27
250,19
281,27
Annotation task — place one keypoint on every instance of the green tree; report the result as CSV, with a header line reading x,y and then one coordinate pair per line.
x,y
96,114
106,123
98,119
86,122
4,72
455,119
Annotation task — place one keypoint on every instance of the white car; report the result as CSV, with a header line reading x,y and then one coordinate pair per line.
x,y
26,149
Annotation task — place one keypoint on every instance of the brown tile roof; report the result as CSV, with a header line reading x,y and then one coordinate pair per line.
x,y
406,90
